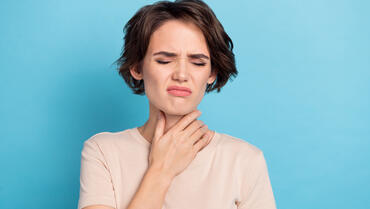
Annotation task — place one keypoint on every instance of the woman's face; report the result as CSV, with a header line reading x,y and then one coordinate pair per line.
x,y
177,55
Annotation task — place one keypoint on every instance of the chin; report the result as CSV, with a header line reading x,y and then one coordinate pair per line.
x,y
177,111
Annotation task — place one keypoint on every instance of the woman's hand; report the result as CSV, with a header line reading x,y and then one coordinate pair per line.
x,y
172,152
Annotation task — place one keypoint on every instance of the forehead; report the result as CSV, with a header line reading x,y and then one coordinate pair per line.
x,y
178,36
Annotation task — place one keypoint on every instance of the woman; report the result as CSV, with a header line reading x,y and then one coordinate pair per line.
x,y
174,52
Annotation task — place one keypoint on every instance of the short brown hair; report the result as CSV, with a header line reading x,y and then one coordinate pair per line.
x,y
148,18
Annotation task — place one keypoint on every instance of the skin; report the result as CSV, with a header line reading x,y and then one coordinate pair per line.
x,y
183,39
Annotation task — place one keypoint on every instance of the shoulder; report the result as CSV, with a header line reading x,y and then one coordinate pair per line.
x,y
102,137
109,141
247,159
238,146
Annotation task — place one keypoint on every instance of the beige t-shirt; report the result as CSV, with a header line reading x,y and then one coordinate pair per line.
x,y
228,172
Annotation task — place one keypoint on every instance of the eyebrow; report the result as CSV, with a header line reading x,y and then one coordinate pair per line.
x,y
171,54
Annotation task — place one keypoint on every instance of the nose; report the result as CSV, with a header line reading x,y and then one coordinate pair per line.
x,y
181,71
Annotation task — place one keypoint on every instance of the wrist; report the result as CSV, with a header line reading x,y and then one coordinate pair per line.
x,y
159,176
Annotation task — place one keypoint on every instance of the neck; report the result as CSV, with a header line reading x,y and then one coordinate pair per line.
x,y
147,130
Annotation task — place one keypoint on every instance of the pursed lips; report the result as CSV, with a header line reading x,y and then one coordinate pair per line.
x,y
179,91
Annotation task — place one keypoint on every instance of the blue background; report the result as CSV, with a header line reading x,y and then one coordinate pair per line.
x,y
301,96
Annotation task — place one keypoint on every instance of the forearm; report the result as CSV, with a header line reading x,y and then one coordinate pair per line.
x,y
152,190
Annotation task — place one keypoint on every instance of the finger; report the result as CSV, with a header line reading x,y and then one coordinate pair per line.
x,y
198,134
194,126
161,122
203,142
185,121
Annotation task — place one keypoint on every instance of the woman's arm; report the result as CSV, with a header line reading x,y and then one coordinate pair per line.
x,y
256,190
152,190
150,194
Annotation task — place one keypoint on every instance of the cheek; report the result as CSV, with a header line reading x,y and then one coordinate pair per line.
x,y
153,81
202,78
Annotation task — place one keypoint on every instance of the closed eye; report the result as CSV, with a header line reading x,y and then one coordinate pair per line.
x,y
161,62
199,64
166,62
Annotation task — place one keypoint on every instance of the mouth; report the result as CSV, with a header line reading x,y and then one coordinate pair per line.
x,y
179,91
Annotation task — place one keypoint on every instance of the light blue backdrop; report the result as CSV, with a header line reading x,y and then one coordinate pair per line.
x,y
302,95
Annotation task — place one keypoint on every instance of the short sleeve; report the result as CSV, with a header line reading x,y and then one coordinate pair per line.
x,y
95,179
256,191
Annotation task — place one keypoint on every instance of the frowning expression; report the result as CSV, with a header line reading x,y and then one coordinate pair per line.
x,y
177,56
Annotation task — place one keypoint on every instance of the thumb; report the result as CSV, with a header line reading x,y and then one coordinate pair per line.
x,y
159,129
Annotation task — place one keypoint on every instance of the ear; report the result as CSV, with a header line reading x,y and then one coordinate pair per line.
x,y
212,77
136,72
